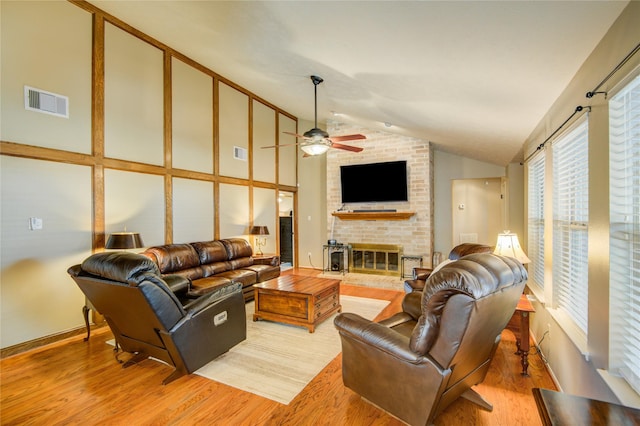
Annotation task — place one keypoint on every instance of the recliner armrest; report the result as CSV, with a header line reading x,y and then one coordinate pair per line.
x,y
270,260
202,302
421,273
376,335
178,284
411,311
396,319
412,304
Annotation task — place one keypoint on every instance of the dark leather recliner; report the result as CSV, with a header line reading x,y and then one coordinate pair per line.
x,y
147,317
419,361
420,275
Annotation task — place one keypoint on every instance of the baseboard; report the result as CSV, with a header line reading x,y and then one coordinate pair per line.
x,y
45,340
536,347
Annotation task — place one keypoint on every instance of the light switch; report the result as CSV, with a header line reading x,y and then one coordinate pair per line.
x,y
35,223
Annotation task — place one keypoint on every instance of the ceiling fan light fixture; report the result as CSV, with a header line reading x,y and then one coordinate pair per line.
x,y
315,148
317,141
316,134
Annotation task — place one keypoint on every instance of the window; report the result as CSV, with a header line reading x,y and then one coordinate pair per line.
x,y
535,234
570,224
624,234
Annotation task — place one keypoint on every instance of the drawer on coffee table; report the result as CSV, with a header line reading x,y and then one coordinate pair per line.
x,y
287,305
328,293
327,305
326,302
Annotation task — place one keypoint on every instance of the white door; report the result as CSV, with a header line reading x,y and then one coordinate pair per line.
x,y
478,210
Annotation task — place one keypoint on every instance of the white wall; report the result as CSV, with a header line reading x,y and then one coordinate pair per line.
x,y
578,374
312,202
147,163
37,296
448,167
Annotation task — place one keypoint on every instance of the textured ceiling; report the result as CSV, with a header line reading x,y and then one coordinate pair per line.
x,y
473,77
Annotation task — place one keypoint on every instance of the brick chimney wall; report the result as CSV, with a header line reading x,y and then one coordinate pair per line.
x,y
416,234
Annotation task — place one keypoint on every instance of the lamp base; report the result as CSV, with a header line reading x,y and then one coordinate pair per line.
x,y
259,244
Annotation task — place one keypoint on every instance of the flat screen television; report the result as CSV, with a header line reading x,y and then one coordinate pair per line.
x,y
374,182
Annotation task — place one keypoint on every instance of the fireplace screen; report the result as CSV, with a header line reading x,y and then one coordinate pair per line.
x,y
383,259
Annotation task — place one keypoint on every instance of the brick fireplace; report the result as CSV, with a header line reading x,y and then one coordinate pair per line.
x,y
414,235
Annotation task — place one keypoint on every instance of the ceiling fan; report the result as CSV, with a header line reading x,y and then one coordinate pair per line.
x,y
317,141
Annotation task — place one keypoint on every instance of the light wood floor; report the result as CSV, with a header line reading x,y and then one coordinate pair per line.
x,y
77,382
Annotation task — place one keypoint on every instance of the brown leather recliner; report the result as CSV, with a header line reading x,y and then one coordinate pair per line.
x,y
420,275
419,361
148,319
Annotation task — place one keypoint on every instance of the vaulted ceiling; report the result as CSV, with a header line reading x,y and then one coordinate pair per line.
x,y
473,77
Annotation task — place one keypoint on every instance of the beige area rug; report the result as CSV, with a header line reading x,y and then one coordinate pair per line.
x,y
367,280
278,360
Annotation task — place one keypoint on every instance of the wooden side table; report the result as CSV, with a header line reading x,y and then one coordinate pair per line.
x,y
519,325
266,258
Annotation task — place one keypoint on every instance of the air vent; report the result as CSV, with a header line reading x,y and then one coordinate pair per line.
x,y
46,102
240,153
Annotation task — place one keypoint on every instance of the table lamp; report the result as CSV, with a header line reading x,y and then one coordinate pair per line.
x,y
260,242
124,241
508,245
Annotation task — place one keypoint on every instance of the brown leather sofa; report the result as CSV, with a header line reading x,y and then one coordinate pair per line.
x,y
148,319
420,275
210,265
417,362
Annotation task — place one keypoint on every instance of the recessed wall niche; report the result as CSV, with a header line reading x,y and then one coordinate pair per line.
x,y
234,130
265,215
191,118
135,201
133,98
264,134
288,154
234,216
193,214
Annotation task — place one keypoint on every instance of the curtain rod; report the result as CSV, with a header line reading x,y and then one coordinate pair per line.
x,y
588,95
615,70
577,110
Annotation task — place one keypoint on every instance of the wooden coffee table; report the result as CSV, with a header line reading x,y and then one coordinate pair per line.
x,y
297,300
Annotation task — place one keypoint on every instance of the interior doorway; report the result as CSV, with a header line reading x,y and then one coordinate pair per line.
x,y
479,210
286,213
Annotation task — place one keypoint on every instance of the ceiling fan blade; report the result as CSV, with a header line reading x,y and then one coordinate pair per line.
x,y
281,145
346,147
294,134
347,138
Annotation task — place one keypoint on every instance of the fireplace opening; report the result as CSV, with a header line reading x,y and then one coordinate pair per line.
x,y
382,259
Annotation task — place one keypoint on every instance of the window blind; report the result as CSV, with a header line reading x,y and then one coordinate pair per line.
x,y
535,234
570,223
624,233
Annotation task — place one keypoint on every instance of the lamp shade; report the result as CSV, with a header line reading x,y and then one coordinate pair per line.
x,y
315,148
259,230
508,245
124,240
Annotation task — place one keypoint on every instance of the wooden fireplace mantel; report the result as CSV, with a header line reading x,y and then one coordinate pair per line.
x,y
373,215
